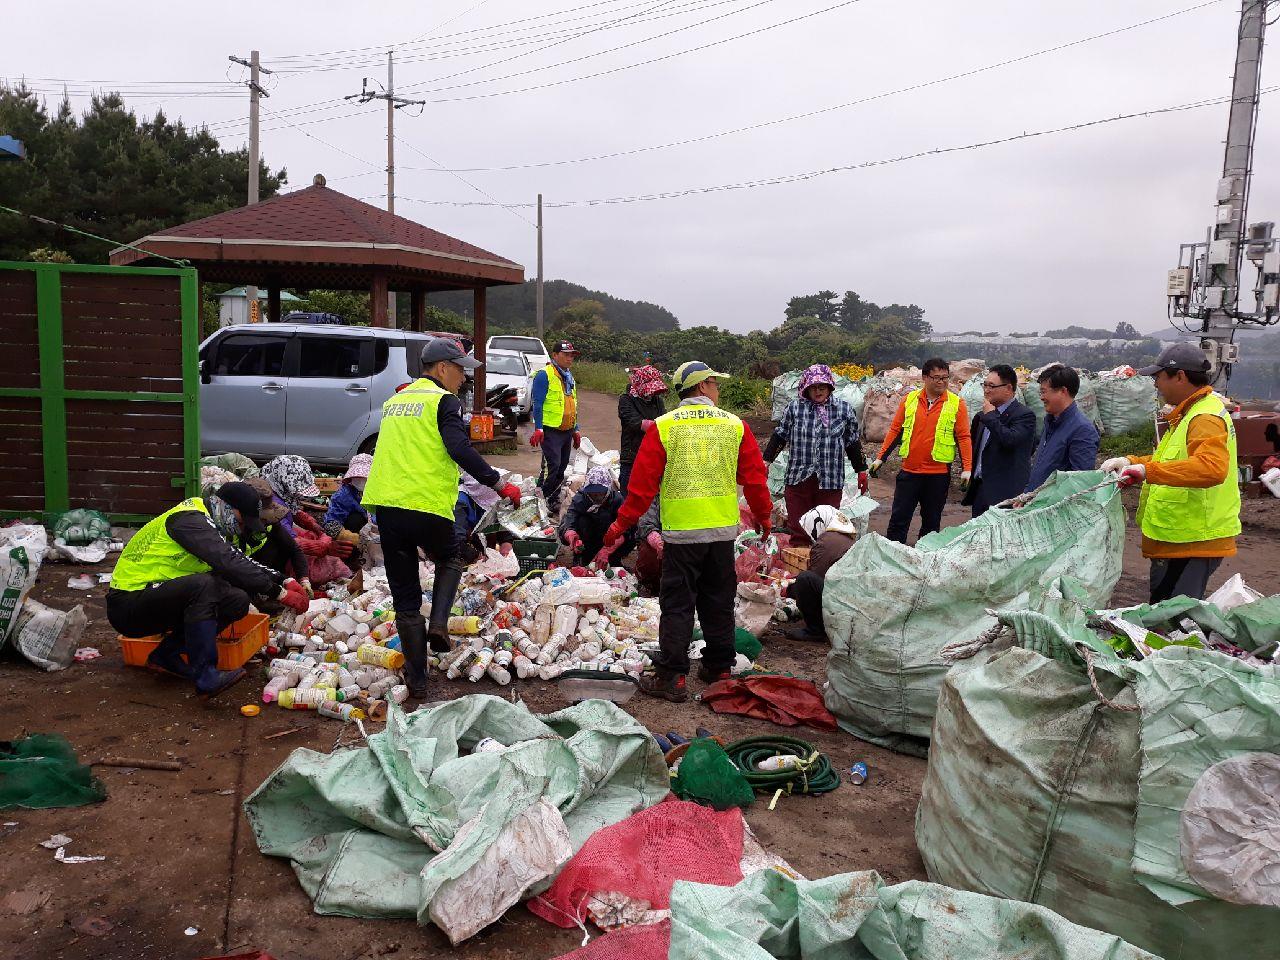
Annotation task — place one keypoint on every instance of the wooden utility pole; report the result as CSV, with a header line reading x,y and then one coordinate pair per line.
x,y
255,92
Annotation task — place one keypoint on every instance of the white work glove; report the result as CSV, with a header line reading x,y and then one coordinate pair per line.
x,y
1132,475
965,476
876,464
1115,464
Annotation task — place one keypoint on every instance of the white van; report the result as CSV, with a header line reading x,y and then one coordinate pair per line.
x,y
531,347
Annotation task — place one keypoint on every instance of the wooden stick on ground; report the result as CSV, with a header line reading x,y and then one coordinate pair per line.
x,y
171,765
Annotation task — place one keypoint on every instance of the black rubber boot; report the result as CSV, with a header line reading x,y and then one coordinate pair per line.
x,y
167,657
202,654
448,576
412,631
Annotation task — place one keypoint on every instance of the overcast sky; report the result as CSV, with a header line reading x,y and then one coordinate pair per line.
x,y
1076,227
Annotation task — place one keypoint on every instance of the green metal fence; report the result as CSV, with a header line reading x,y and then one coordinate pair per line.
x,y
99,389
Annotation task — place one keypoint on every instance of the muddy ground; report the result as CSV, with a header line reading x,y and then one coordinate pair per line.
x,y
180,854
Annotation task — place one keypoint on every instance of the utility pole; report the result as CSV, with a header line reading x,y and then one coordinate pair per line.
x,y
255,91
1207,286
539,288
394,103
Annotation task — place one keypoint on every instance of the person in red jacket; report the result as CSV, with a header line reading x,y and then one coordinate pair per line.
x,y
695,457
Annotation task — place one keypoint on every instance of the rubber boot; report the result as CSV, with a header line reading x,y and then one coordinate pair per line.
x,y
167,657
448,576
412,631
202,654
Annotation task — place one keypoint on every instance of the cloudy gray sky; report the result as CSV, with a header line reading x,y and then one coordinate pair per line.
x,y
1075,227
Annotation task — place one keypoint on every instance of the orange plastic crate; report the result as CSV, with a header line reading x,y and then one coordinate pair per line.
x,y
236,644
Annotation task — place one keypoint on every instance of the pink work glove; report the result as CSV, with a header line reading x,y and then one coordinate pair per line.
x,y
577,439
646,425
535,438
574,541
655,540
1132,475
511,492
294,597
864,484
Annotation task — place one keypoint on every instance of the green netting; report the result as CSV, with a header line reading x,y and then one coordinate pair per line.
x,y
854,916
1140,801
708,776
414,822
889,609
42,771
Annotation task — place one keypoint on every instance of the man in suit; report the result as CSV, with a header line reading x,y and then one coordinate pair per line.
x,y
1004,434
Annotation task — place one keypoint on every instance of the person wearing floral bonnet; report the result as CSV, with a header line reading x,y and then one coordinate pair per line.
x,y
590,513
638,408
820,432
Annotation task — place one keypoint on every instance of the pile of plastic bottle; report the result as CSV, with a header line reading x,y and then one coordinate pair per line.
x,y
549,625
341,658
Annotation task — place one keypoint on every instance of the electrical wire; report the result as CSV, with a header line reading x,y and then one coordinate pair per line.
x,y
865,165
331,146
510,208
92,236
835,107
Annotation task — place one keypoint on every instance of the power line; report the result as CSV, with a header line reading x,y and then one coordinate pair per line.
x,y
839,106
495,39
865,165
510,208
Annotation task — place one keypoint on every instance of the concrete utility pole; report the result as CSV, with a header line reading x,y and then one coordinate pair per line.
x,y
539,287
394,103
255,91
1206,284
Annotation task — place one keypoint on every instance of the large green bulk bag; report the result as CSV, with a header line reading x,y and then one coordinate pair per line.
x,y
855,916
1125,405
972,394
1137,798
889,608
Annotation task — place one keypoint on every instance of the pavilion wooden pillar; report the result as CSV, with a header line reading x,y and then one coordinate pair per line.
x,y
378,300
480,334
417,310
273,302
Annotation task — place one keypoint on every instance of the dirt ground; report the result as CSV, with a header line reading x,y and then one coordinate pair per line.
x,y
180,854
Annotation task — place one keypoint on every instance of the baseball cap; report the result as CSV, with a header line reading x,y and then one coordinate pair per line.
x,y
563,346
1178,356
692,373
443,349
244,498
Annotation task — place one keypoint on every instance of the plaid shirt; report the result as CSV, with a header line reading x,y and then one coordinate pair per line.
x,y
816,448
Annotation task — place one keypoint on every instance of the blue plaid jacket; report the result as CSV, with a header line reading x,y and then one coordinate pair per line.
x,y
815,448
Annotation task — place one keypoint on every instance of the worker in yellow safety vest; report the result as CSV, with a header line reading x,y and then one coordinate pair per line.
x,y
694,458
932,426
413,486
554,411
183,577
1189,506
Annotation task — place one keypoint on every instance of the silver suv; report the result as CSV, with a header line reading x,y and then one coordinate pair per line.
x,y
315,391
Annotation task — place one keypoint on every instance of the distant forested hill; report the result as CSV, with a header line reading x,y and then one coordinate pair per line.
x,y
513,307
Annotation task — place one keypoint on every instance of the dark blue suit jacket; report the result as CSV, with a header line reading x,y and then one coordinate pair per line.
x,y
1006,462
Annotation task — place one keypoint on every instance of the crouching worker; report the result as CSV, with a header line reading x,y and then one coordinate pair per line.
x,y
650,548
346,509
413,487
832,535
590,513
181,576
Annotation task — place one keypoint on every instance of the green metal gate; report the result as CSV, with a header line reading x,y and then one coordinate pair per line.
x,y
99,389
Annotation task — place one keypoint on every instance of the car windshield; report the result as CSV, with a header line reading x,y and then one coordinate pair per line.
x,y
508,366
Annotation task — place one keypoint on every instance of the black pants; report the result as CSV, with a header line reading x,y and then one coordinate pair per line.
x,y
807,593
403,532
166,607
1182,577
697,577
557,448
926,490
624,475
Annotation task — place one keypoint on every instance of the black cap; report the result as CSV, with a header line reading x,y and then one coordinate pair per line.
x,y
1178,356
445,349
248,501
563,346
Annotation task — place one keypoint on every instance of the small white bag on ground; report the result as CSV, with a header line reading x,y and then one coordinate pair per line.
x,y
48,637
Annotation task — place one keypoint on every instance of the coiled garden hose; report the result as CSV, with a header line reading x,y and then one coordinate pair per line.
x,y
813,776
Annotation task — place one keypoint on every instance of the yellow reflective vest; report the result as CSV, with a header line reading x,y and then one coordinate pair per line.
x,y
553,407
411,468
944,438
699,487
1191,514
152,556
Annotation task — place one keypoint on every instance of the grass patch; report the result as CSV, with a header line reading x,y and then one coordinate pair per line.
x,y
601,377
1139,442
741,395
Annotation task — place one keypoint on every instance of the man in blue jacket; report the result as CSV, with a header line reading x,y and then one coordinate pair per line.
x,y
1070,440
555,419
1004,434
